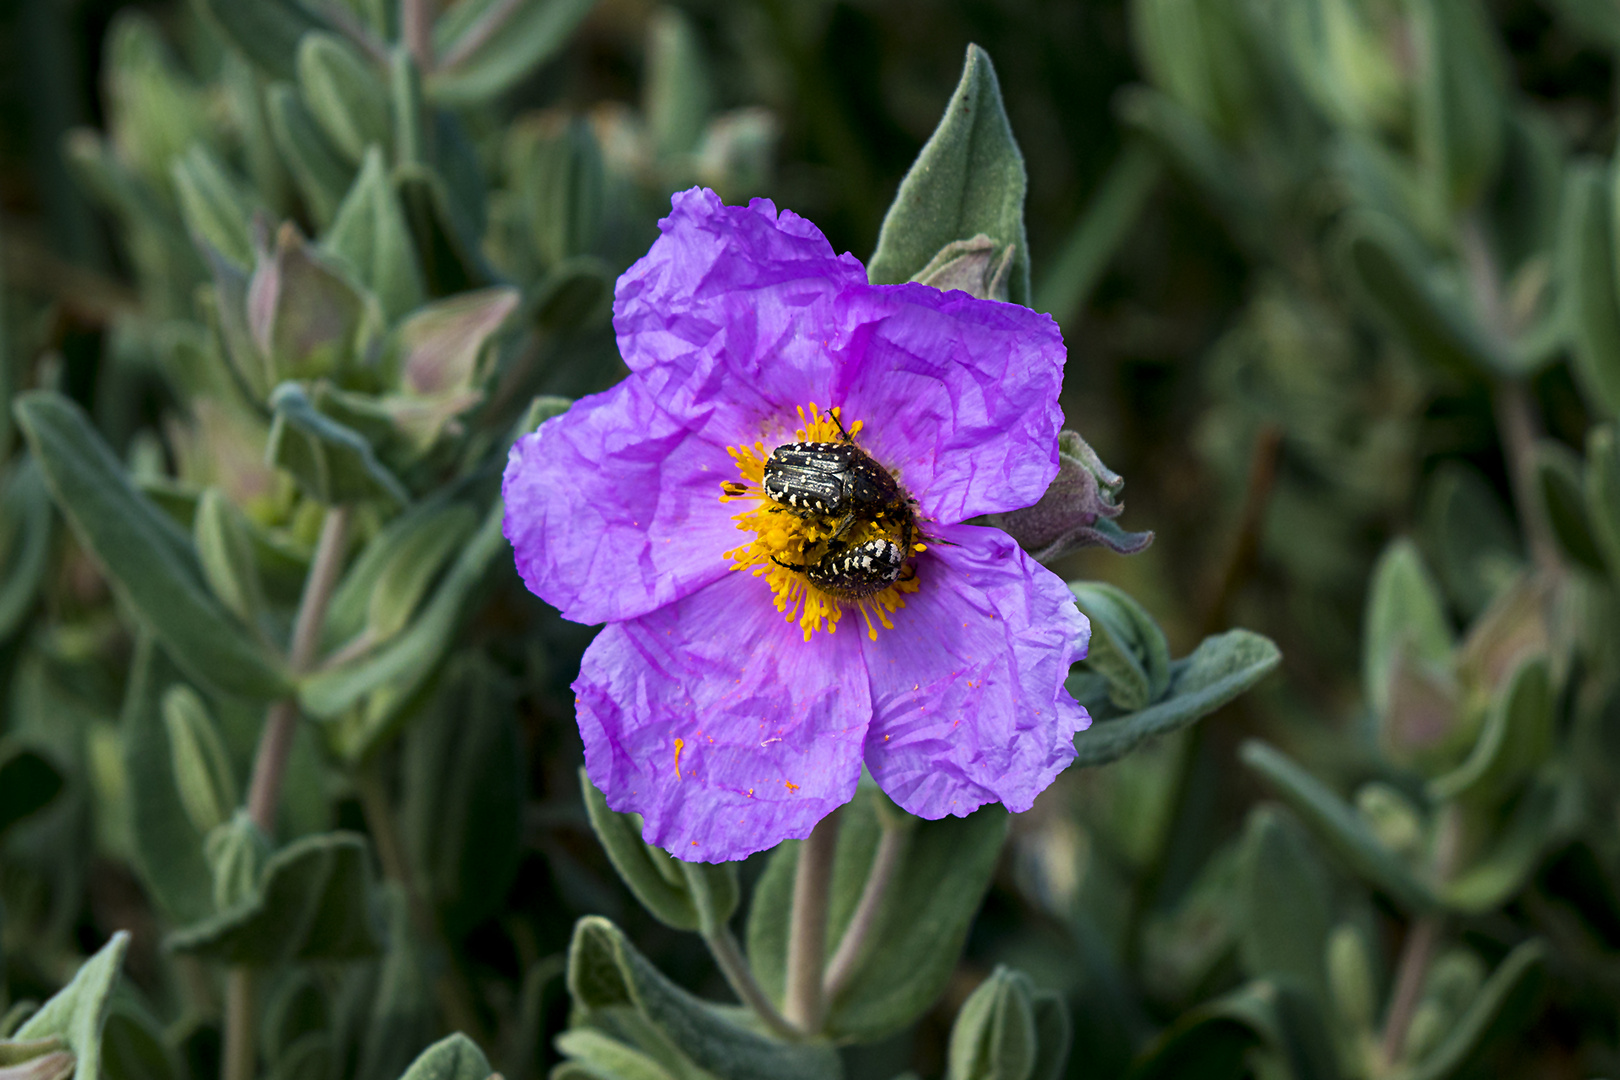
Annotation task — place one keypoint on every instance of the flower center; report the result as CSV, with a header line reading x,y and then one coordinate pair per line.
x,y
831,528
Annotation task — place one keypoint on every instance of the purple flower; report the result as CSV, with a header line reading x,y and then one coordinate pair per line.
x,y
748,668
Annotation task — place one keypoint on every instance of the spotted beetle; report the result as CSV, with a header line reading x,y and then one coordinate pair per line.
x,y
835,480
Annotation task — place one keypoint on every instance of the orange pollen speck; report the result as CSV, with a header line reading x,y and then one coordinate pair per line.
x,y
780,536
791,786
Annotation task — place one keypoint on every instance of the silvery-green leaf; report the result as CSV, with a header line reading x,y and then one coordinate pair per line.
x,y
1202,55
968,179
153,563
370,238
1127,647
606,975
593,1054
1221,668
391,551
994,1036
214,205
266,31
1469,538
454,1057
237,852
1559,485
685,895
1286,903
1502,1006
400,1016
446,238
557,169
1460,104
331,462
307,320
1405,617
320,174
1517,736
225,549
202,770
486,46
677,93
25,538
1337,826
1587,280
1350,976
344,95
78,1012
921,926
313,903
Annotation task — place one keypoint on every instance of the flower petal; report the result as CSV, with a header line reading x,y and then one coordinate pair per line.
x,y
613,509
731,299
967,689
958,395
715,721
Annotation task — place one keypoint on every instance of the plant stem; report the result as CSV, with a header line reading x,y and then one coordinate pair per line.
x,y
270,768
891,852
1417,952
416,29
281,724
807,936
729,958
240,1024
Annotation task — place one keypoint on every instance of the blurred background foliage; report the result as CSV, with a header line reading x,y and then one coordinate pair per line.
x,y
1339,284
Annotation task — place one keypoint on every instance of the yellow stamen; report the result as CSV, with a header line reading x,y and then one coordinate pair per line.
x,y
783,537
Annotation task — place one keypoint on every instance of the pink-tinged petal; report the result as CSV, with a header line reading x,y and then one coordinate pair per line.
x,y
734,302
958,395
613,509
967,690
768,727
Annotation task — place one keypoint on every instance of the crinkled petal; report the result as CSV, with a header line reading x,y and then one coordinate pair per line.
x,y
613,509
968,700
734,302
770,726
958,395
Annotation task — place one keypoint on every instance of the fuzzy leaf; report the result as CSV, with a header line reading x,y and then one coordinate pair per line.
x,y
1586,269
1286,907
968,179
1559,484
1500,1008
78,1012
454,1057
147,556
331,462
344,95
369,236
1221,668
994,1036
25,539
266,31
1127,647
487,46
313,903
322,177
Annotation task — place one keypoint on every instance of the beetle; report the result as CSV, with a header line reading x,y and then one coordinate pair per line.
x,y
855,572
835,480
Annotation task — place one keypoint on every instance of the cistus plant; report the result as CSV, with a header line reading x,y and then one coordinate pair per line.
x,y
490,587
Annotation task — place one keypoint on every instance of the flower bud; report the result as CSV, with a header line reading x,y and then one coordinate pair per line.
x,y
1077,510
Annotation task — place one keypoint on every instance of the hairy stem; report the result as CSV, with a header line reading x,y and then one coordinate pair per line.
x,y
807,935
270,767
729,958
1412,970
891,852
416,29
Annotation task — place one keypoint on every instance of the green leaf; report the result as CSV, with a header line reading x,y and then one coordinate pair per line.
x,y
400,1018
313,903
266,31
676,95
1601,486
25,540
1469,538
1286,909
454,1057
1391,273
202,771
1217,1040
344,95
1461,100
321,176
332,463
687,896
447,240
1536,822
1559,484
151,561
1203,56
599,1056
214,205
305,317
557,169
1406,617
921,926
168,847
237,853
1127,646
463,807
399,543
369,237
487,46
1516,738
28,783
606,975
968,179
404,580
1502,1006
78,1012
994,1036
1338,827
133,1044
1221,668
1106,221
1587,279
225,550
383,683
440,348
